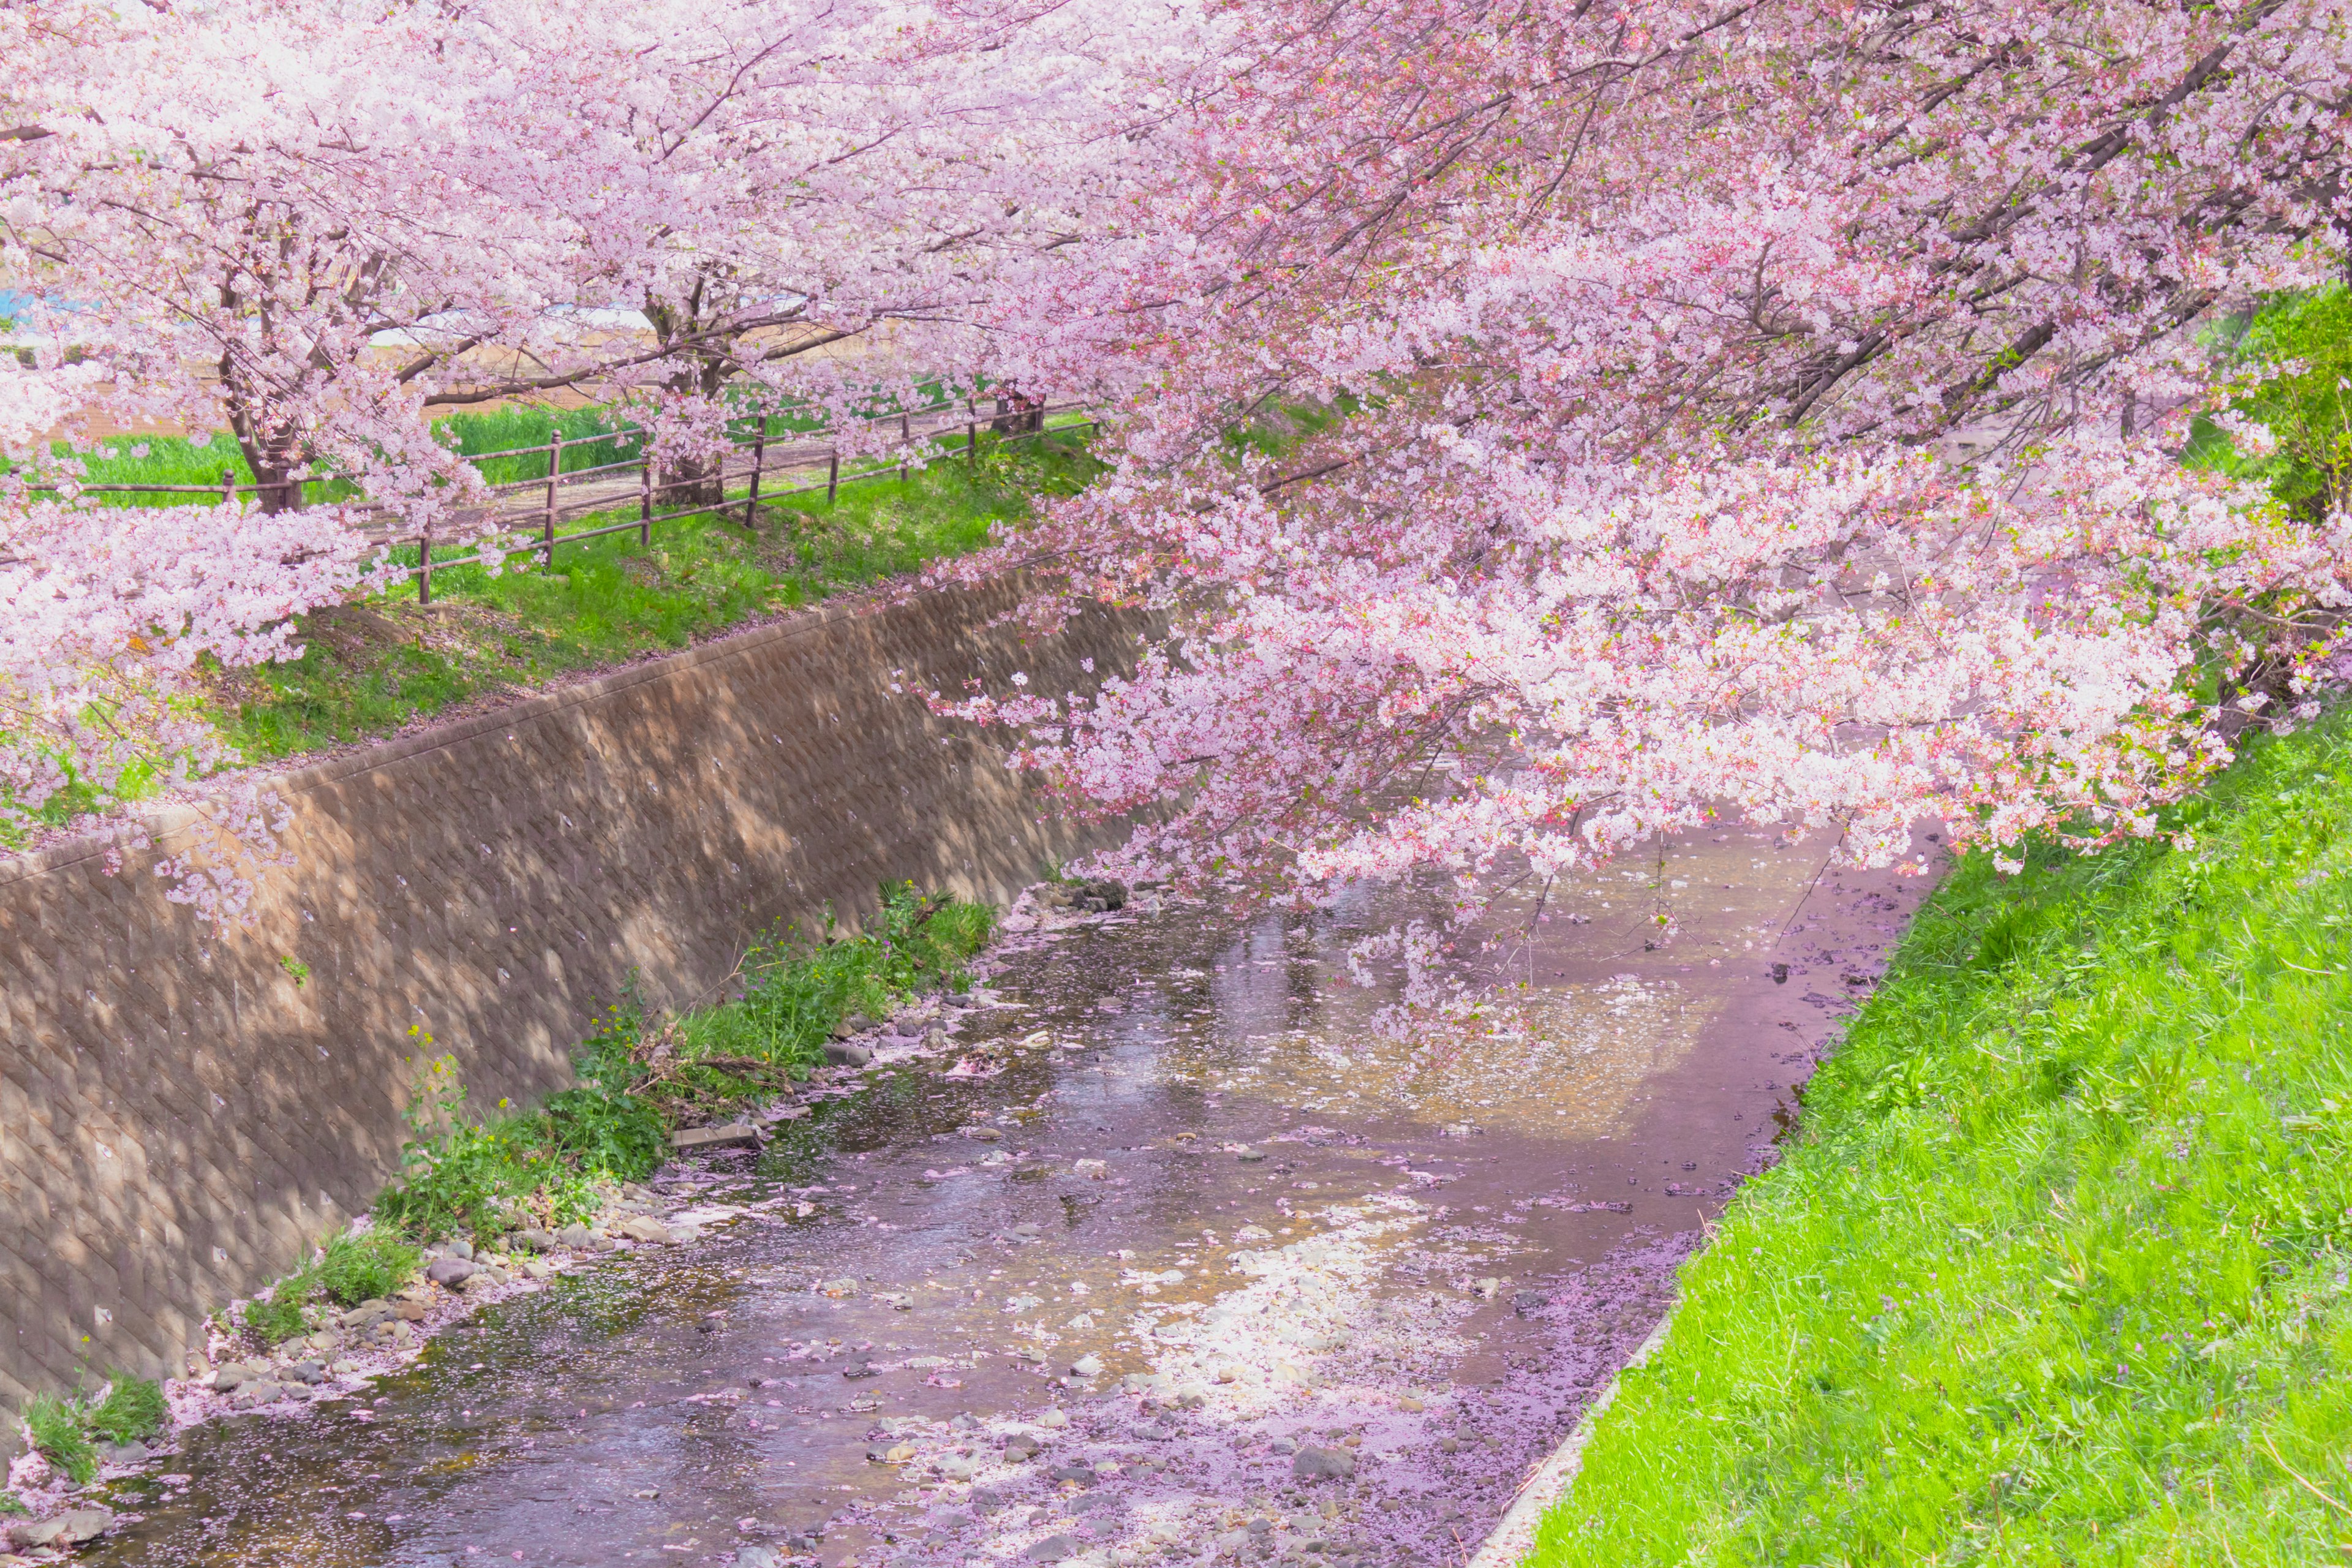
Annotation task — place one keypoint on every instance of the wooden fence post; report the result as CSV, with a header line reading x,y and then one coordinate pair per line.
x,y
759,458
554,477
971,435
645,499
228,486
425,568
832,475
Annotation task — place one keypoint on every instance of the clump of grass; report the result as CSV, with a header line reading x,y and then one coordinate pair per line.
x,y
348,1269
642,1075
355,1269
278,1316
2059,1269
133,1408
53,1426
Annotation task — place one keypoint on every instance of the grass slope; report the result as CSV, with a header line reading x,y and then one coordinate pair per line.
x,y
2056,1270
370,667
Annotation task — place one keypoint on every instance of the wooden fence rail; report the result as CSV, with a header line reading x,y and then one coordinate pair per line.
x,y
608,487
759,459
936,418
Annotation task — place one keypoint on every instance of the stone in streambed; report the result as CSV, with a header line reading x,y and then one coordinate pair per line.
x,y
449,1271
1022,1446
845,1054
69,1529
730,1135
647,1230
1053,1549
534,1240
1316,1464
759,1557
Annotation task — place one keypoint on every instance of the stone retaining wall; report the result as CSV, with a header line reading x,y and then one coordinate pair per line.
x,y
179,1118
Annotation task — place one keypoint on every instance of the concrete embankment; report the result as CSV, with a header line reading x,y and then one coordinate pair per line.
x,y
181,1113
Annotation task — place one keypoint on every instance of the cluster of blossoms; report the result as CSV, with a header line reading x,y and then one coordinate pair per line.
x,y
322,227
1767,409
1543,425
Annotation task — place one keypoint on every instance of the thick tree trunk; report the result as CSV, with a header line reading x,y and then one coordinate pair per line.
x,y
694,481
1017,414
689,481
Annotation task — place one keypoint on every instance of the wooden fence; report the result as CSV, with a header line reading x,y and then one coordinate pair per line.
x,y
540,505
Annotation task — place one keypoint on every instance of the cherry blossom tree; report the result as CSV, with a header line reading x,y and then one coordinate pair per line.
x,y
321,224
1554,424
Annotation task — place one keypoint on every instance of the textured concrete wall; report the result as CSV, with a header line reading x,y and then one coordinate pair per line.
x,y
178,1117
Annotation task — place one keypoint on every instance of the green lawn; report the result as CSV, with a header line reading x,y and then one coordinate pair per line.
x,y
372,666
2055,1270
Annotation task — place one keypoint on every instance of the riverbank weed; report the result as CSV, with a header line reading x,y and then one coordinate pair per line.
x,y
53,1426
133,1408
643,1074
348,1269
355,1269
278,1316
2056,1270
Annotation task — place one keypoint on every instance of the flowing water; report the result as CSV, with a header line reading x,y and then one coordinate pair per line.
x,y
1412,1265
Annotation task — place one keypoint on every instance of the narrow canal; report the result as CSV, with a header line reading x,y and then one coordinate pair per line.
x,y
1184,1262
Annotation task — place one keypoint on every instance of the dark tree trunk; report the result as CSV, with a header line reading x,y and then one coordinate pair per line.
x,y
1017,414
694,481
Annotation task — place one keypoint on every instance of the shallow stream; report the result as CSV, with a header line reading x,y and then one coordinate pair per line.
x,y
1325,1297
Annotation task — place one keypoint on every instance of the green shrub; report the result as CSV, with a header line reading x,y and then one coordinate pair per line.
x,y
133,1407
53,1426
2300,347
355,1269
462,1183
615,1136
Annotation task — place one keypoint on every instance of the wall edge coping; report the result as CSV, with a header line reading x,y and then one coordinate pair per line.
x,y
438,737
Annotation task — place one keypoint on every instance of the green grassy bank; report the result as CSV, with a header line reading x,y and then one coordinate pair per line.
x,y
2056,1270
383,661
370,666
